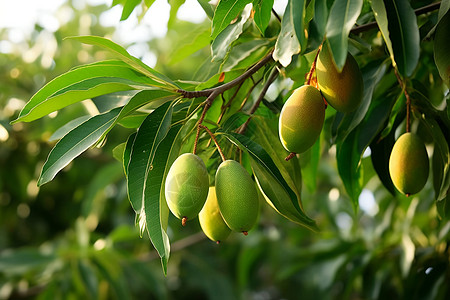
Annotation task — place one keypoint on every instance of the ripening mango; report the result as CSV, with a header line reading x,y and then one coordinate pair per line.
x,y
409,164
342,90
211,220
301,119
187,185
237,196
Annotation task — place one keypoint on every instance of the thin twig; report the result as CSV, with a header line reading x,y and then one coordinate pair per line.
x,y
255,106
420,11
215,141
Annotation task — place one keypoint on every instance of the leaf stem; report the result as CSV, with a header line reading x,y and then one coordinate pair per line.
x,y
215,141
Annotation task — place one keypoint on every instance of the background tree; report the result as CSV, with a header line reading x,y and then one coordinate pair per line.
x,y
358,236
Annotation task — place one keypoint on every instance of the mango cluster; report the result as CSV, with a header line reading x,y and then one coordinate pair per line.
x,y
231,205
302,116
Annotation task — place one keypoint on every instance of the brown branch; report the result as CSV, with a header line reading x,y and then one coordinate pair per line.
x,y
222,88
420,11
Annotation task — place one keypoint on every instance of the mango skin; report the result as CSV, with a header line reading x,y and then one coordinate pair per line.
x,y
211,220
237,196
409,164
301,119
342,90
187,185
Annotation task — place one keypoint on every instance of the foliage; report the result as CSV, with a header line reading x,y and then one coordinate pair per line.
x,y
397,248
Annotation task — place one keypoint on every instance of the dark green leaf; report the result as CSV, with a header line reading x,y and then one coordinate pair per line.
x,y
343,16
441,47
149,135
263,11
380,153
155,206
127,152
379,11
226,11
62,131
75,142
404,35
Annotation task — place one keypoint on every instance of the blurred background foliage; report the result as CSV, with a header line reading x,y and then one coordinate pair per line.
x,y
76,236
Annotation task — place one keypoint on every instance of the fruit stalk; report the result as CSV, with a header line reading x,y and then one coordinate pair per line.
x,y
408,101
215,141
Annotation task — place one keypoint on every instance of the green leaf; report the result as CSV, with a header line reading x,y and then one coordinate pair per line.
x,y
309,162
245,54
22,261
82,83
441,47
127,152
149,135
380,150
379,11
200,41
128,8
75,142
291,39
349,151
207,7
63,130
403,34
226,11
118,152
222,43
123,55
263,11
343,15
155,206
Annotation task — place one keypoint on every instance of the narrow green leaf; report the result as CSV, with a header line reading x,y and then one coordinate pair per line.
x,y
380,149
118,152
155,206
127,152
343,16
226,11
74,143
379,11
207,7
82,83
404,35
222,43
63,130
288,42
441,47
128,8
149,135
263,12
278,197
132,61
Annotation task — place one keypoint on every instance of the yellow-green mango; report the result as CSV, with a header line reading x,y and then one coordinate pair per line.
x,y
301,119
409,164
211,220
187,185
237,196
342,90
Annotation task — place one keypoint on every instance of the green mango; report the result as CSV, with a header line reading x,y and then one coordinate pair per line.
x,y
342,90
409,164
301,119
187,185
211,220
237,196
